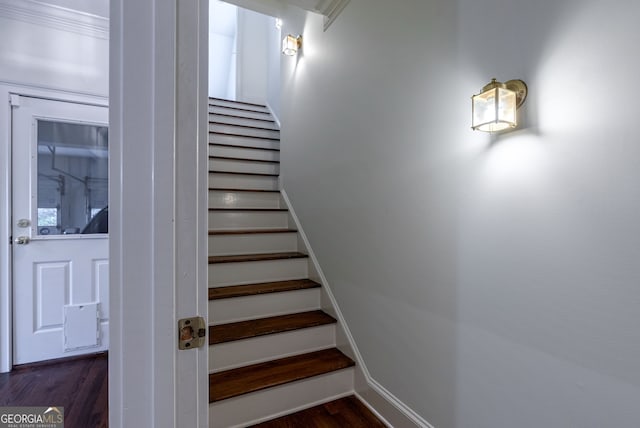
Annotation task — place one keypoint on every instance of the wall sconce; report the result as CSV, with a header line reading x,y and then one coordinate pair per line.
x,y
278,23
291,44
494,108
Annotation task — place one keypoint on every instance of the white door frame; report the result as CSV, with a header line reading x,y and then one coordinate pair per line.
x,y
158,141
6,296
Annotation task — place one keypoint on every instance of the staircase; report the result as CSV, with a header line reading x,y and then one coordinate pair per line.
x,y
272,350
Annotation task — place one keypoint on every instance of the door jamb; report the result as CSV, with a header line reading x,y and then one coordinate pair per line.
x,y
6,292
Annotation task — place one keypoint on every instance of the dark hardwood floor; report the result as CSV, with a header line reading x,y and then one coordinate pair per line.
x,y
345,412
79,385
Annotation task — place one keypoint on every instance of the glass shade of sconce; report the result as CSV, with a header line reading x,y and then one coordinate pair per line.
x,y
494,108
291,44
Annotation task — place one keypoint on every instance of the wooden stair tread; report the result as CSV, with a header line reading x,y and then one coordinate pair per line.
x,y
261,174
240,108
216,99
250,231
236,146
256,257
242,117
343,412
249,209
243,159
231,291
228,189
237,125
230,332
230,134
256,377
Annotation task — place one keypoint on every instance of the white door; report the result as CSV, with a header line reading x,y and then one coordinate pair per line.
x,y
59,229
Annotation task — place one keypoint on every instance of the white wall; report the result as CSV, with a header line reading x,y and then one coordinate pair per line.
x,y
50,47
273,66
223,29
252,59
488,281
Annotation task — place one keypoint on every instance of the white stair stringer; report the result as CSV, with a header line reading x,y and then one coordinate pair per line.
x,y
244,156
277,401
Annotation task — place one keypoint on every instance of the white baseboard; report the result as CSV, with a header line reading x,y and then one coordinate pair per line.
x,y
404,416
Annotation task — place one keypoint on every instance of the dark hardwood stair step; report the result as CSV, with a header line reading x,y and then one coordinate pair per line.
x,y
261,174
250,231
242,117
216,99
341,413
236,146
256,257
232,209
230,291
237,125
243,159
228,189
256,377
239,108
230,332
230,134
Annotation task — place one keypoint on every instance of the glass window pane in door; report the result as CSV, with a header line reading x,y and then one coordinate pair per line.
x,y
73,181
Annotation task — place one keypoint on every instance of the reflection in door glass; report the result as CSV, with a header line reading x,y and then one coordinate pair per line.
x,y
72,177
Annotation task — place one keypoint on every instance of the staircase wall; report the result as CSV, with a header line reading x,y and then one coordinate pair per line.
x,y
488,281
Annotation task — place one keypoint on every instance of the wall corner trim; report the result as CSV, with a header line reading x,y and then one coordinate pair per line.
x,y
59,18
409,414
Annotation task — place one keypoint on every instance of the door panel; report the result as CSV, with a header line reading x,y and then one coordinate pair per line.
x,y
60,256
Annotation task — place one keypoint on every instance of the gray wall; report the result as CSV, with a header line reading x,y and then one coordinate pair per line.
x,y
488,281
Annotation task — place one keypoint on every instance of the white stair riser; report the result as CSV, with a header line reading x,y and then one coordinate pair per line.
x,y
243,113
243,141
225,356
248,220
233,120
241,152
273,402
240,130
220,245
224,199
222,274
244,106
235,181
243,166
263,305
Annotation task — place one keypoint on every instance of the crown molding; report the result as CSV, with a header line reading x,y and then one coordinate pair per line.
x,y
331,9
60,18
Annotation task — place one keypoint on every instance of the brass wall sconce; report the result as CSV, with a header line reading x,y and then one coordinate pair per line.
x,y
494,108
291,44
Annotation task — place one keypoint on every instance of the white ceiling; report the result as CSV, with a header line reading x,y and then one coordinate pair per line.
x,y
93,7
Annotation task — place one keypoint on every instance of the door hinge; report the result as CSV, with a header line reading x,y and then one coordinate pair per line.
x,y
14,100
192,332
